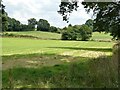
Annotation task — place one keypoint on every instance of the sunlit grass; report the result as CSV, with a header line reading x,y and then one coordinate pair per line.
x,y
28,46
39,34
101,36
35,63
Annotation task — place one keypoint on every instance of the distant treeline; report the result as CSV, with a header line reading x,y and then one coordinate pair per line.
x,y
76,32
33,24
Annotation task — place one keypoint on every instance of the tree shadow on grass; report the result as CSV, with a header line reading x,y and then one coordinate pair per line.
x,y
38,60
49,68
95,73
89,49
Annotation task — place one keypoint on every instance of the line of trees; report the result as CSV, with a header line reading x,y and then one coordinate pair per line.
x,y
15,25
11,24
76,32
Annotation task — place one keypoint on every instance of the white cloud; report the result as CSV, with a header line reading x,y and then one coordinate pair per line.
x,y
22,10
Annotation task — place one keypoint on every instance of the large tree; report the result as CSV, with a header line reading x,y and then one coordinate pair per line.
x,y
53,29
31,23
107,14
3,17
13,25
77,32
89,23
43,25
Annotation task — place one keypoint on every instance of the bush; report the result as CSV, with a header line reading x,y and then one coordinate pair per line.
x,y
64,36
9,34
53,29
85,32
82,32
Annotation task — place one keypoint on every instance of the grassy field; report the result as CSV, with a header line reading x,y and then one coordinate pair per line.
x,y
48,35
35,63
27,46
101,36
38,34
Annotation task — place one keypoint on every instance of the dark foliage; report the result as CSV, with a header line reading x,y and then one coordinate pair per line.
x,y
3,18
66,8
77,32
107,15
43,25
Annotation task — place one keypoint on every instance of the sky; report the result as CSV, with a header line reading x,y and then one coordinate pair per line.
x,y
23,10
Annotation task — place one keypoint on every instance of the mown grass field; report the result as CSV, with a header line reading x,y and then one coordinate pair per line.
x,y
28,46
35,63
47,35
38,34
101,36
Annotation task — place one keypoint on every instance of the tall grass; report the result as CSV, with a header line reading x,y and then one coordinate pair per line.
x,y
96,73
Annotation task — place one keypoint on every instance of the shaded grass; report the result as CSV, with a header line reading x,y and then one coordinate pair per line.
x,y
37,60
100,72
88,49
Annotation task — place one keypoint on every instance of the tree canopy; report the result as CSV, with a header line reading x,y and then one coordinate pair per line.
x,y
107,14
89,23
43,25
31,23
13,25
66,8
76,32
3,17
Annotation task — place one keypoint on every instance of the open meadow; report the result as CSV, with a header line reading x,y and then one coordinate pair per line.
x,y
39,63
36,34
70,44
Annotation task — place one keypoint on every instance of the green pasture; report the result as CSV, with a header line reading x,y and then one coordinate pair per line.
x,y
39,34
101,36
36,63
29,51
48,35
12,46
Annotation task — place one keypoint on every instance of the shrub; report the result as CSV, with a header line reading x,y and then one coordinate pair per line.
x,y
82,32
64,35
